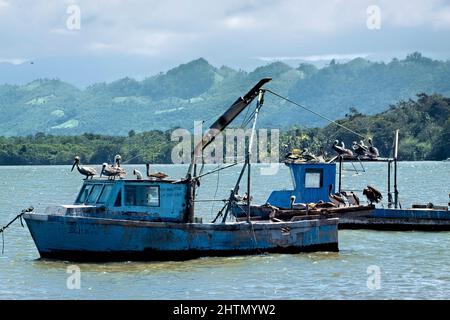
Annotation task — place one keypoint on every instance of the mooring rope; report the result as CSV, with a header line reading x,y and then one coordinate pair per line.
x,y
19,216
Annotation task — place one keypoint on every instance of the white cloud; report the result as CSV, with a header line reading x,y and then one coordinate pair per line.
x,y
269,29
315,58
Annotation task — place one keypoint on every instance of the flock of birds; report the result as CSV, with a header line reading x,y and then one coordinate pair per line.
x,y
115,170
342,199
359,150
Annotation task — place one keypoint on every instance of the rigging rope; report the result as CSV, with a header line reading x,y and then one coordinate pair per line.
x,y
316,113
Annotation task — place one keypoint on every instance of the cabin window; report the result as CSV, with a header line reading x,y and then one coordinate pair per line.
x,y
105,193
84,193
142,196
96,190
118,202
313,178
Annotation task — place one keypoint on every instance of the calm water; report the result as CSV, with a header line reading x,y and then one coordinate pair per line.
x,y
414,265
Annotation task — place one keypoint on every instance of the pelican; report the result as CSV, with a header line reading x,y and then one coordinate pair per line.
x,y
372,194
115,170
372,152
298,206
360,149
334,198
352,198
156,175
322,204
85,171
341,150
138,174
308,156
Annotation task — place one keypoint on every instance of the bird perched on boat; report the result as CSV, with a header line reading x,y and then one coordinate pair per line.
x,y
338,200
115,170
85,171
112,171
352,198
155,175
341,150
297,206
372,194
308,156
138,174
359,148
294,154
372,152
324,205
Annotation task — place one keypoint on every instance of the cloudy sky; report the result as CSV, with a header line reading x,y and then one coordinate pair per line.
x,y
137,38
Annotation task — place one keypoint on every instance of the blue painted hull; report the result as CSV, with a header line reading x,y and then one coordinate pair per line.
x,y
398,220
87,238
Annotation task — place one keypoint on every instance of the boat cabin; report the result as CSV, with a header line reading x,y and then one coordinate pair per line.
x,y
311,182
153,200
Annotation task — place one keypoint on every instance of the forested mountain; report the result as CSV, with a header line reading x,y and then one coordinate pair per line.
x,y
200,91
424,125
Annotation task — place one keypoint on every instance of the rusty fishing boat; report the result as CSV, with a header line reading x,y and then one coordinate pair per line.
x,y
152,218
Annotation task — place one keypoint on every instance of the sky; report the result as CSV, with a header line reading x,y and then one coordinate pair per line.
x,y
85,41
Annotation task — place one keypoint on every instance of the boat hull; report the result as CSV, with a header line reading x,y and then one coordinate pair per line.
x,y
397,220
95,239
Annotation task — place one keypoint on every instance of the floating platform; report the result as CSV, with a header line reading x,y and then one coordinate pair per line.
x,y
397,220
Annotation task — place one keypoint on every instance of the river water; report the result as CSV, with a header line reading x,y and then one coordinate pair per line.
x,y
412,265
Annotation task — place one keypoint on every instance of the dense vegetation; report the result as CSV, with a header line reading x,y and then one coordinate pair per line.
x,y
424,130
424,125
200,91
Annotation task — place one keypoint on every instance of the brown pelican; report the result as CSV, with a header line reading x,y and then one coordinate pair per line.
x,y
360,149
372,194
115,170
322,204
308,156
334,198
155,175
341,150
297,206
352,198
372,152
138,174
85,171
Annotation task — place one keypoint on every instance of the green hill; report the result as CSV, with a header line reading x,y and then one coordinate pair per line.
x,y
424,135
200,91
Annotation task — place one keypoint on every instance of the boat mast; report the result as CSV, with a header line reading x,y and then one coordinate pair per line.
x,y
214,130
249,151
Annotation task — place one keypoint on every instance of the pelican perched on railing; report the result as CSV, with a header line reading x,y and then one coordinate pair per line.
x,y
341,150
155,175
85,171
115,170
359,148
372,152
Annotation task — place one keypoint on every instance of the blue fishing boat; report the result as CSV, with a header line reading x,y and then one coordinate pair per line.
x,y
314,190
152,218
